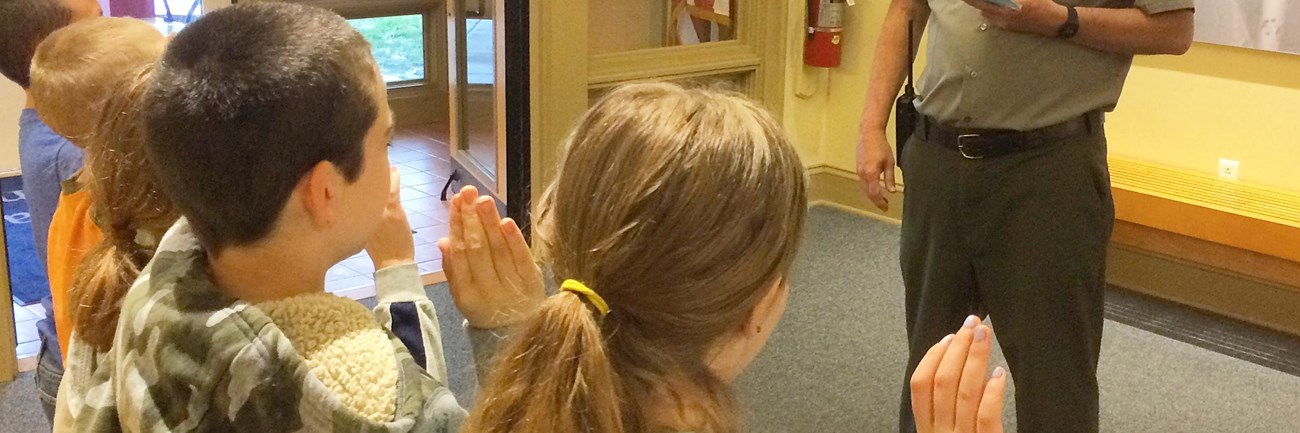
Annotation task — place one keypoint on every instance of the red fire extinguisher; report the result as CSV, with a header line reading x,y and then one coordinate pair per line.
x,y
825,39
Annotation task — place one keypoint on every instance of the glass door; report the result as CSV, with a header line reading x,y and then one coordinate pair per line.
x,y
476,62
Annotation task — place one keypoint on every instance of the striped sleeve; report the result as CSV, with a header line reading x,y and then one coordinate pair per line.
x,y
405,310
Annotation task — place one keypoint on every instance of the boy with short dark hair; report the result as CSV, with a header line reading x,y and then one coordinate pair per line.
x,y
268,124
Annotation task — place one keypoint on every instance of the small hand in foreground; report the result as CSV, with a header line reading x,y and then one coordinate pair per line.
x,y
949,392
491,272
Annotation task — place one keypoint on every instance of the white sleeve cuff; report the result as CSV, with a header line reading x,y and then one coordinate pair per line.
x,y
399,283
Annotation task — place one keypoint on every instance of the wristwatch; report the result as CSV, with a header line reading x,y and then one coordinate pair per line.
x,y
1071,26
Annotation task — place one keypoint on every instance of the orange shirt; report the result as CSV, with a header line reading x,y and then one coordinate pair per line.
x,y
72,235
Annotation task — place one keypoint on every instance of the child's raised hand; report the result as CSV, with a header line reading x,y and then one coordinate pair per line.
x,y
949,393
490,271
392,244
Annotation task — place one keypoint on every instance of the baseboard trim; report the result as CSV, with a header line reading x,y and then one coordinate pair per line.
x,y
875,215
1220,292
1246,264
840,189
27,363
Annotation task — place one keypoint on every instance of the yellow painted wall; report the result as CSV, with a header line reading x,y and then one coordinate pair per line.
x,y
826,125
1183,112
803,116
1211,103
12,99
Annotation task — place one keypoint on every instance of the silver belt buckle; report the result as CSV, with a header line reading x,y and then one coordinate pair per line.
x,y
961,146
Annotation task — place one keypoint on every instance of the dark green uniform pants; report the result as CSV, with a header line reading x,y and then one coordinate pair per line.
x,y
1021,237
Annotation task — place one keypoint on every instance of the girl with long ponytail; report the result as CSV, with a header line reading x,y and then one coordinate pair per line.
x,y
83,80
670,228
129,208
669,232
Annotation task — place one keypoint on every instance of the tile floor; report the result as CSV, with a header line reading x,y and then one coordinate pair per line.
x,y
421,155
25,326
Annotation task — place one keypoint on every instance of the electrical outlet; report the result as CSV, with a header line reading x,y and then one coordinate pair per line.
x,y
1229,169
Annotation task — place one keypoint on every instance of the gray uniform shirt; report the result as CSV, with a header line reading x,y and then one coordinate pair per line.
x,y
979,76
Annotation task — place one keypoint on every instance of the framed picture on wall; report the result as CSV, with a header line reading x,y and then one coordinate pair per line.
x,y
699,21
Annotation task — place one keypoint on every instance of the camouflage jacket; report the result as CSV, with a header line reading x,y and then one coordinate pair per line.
x,y
189,358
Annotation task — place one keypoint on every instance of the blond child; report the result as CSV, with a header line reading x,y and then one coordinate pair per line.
x,y
75,72
670,230
45,157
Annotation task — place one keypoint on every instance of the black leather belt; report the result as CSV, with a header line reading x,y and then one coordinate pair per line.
x,y
989,143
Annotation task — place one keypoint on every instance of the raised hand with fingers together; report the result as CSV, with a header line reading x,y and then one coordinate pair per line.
x,y
392,244
949,392
490,271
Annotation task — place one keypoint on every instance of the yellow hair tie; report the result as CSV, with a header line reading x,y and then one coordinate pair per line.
x,y
582,290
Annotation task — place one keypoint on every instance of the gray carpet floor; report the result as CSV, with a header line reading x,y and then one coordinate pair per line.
x,y
835,364
19,409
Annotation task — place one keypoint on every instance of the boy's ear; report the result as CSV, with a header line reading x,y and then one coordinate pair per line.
x,y
319,191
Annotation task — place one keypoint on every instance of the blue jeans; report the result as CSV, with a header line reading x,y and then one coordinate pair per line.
x,y
49,367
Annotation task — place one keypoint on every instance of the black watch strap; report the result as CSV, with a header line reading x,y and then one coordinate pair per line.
x,y
1071,26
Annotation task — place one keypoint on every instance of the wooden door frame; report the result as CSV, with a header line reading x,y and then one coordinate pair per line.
x,y
465,169
558,34
563,72
8,337
512,100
